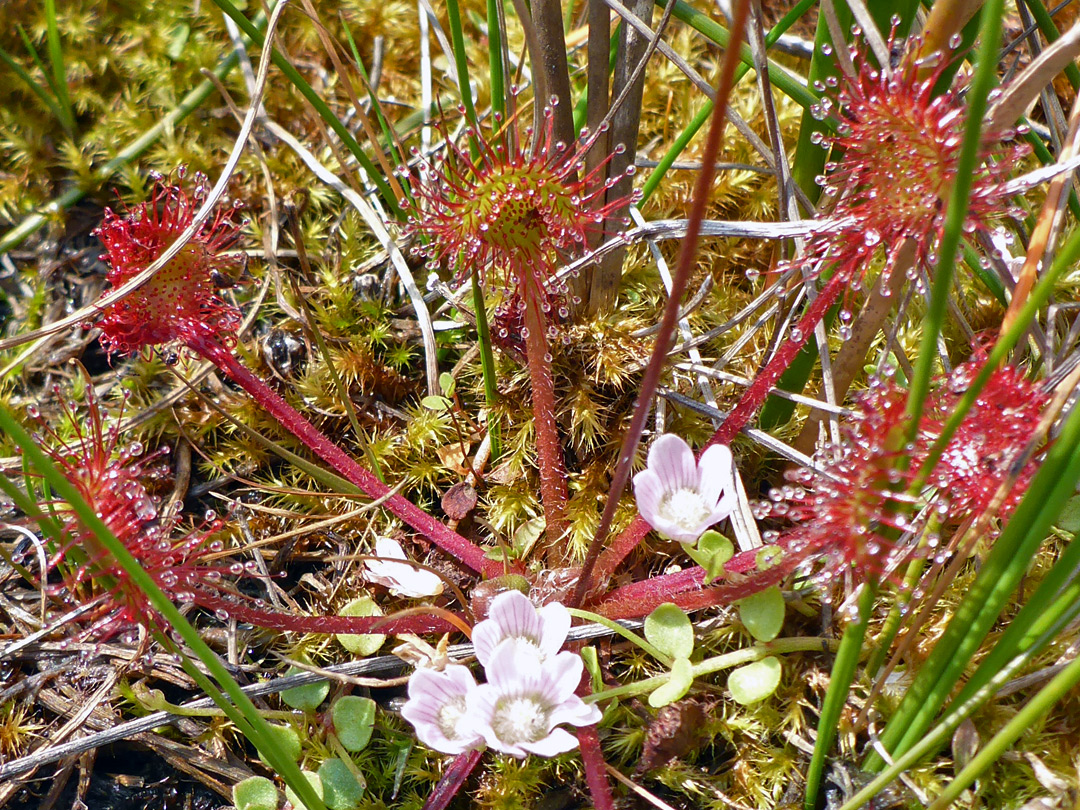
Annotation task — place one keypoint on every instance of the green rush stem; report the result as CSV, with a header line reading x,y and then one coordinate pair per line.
x,y
998,577
457,39
495,63
967,706
487,365
448,540
238,706
1023,721
981,84
843,672
891,626
549,452
59,80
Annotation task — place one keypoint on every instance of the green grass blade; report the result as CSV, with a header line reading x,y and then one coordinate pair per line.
x,y
1049,30
487,365
38,89
994,748
324,111
495,61
843,672
59,72
238,707
941,733
998,577
457,41
375,105
1057,594
784,81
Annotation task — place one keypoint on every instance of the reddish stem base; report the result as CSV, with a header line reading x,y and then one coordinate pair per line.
x,y
448,540
549,452
330,625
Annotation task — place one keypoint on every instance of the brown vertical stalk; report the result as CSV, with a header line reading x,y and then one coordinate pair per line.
x,y
624,130
547,17
687,255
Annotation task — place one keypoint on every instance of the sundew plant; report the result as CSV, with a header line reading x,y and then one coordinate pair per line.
x,y
551,404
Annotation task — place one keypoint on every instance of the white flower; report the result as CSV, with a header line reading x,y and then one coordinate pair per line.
x,y
514,618
402,578
437,708
518,709
679,497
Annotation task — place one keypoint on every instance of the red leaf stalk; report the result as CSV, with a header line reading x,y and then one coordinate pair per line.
x,y
595,768
549,450
243,610
448,540
453,779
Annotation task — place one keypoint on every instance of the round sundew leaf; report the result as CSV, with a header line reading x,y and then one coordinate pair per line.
x,y
678,684
762,614
341,790
361,644
286,739
316,784
669,630
436,403
255,793
754,682
305,698
354,719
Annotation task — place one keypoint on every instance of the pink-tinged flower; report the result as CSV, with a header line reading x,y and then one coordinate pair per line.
x,y
181,301
519,210
513,619
402,578
681,497
438,709
898,141
518,709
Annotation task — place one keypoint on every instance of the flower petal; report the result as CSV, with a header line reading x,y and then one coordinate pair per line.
x,y
673,461
715,473
559,741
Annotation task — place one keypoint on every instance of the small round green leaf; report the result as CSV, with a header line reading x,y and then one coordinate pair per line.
x,y
711,551
354,718
755,681
316,784
341,790
762,614
669,630
286,740
361,644
678,684
255,793
305,698
436,403
447,384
